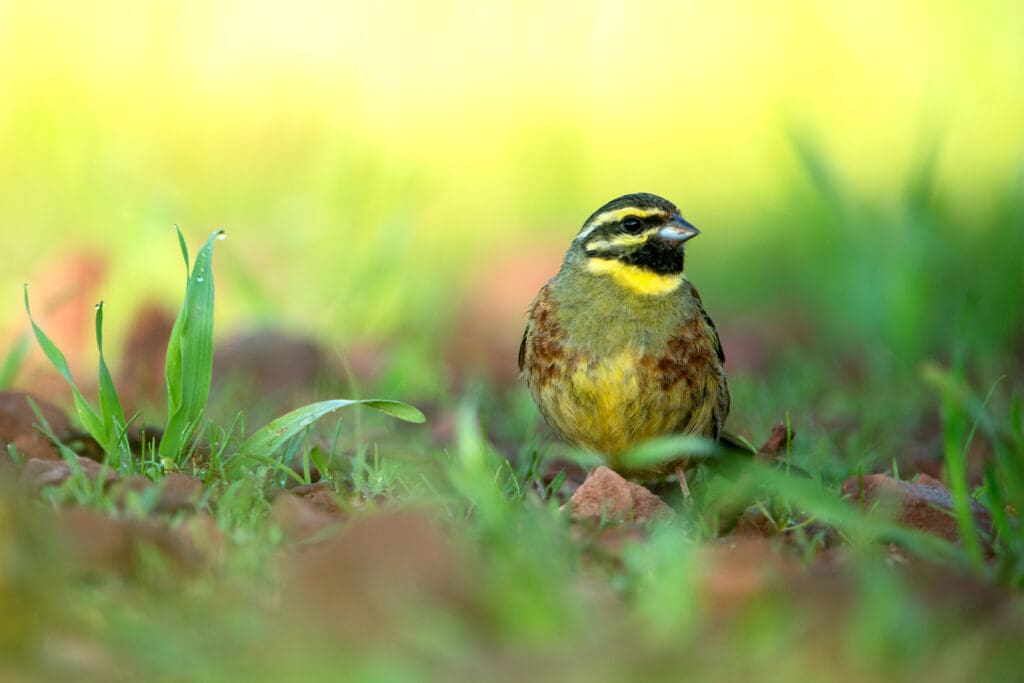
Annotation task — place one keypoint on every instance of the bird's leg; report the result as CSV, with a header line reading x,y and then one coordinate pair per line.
x,y
681,476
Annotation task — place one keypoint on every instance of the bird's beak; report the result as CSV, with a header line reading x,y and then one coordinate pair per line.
x,y
679,230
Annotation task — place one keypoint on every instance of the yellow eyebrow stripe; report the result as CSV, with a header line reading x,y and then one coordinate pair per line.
x,y
634,278
617,215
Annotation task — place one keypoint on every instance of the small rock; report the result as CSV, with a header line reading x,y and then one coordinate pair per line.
x,y
101,544
178,492
606,494
201,531
17,425
379,570
604,545
795,528
753,522
136,484
319,494
40,472
735,571
925,504
776,443
299,518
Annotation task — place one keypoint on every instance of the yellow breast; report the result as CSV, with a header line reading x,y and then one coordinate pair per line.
x,y
609,405
634,278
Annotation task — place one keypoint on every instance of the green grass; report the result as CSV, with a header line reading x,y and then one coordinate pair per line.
x,y
913,329
189,370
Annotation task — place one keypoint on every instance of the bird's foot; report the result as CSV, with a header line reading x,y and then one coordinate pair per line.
x,y
683,486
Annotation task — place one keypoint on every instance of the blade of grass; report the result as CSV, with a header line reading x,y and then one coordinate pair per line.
x,y
115,442
91,420
956,440
189,366
269,438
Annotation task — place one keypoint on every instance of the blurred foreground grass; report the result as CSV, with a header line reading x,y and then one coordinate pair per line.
x,y
454,560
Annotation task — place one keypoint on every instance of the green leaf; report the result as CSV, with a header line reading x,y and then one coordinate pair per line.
x,y
403,411
320,458
265,441
556,484
115,443
86,413
957,405
183,247
189,365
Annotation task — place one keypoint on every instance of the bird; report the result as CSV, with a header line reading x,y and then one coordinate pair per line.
x,y
618,347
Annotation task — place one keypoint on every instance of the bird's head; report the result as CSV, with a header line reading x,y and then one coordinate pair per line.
x,y
638,241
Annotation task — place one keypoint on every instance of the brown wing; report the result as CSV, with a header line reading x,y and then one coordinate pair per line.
x,y
705,335
540,351
711,325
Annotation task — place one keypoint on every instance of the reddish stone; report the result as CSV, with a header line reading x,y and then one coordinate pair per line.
x,y
299,518
319,494
39,472
606,494
381,569
735,571
753,522
178,491
136,484
201,532
100,544
18,425
776,443
925,504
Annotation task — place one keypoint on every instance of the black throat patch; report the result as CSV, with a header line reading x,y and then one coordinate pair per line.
x,y
657,256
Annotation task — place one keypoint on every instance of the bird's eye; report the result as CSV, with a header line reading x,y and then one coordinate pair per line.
x,y
632,225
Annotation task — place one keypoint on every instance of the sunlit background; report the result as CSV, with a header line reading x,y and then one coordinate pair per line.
x,y
376,164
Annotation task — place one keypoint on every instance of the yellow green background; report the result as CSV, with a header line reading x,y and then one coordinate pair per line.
x,y
367,158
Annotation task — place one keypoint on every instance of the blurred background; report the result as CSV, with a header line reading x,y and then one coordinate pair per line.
x,y
398,178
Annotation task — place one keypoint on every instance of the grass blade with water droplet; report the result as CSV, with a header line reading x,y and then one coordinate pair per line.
x,y
189,366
